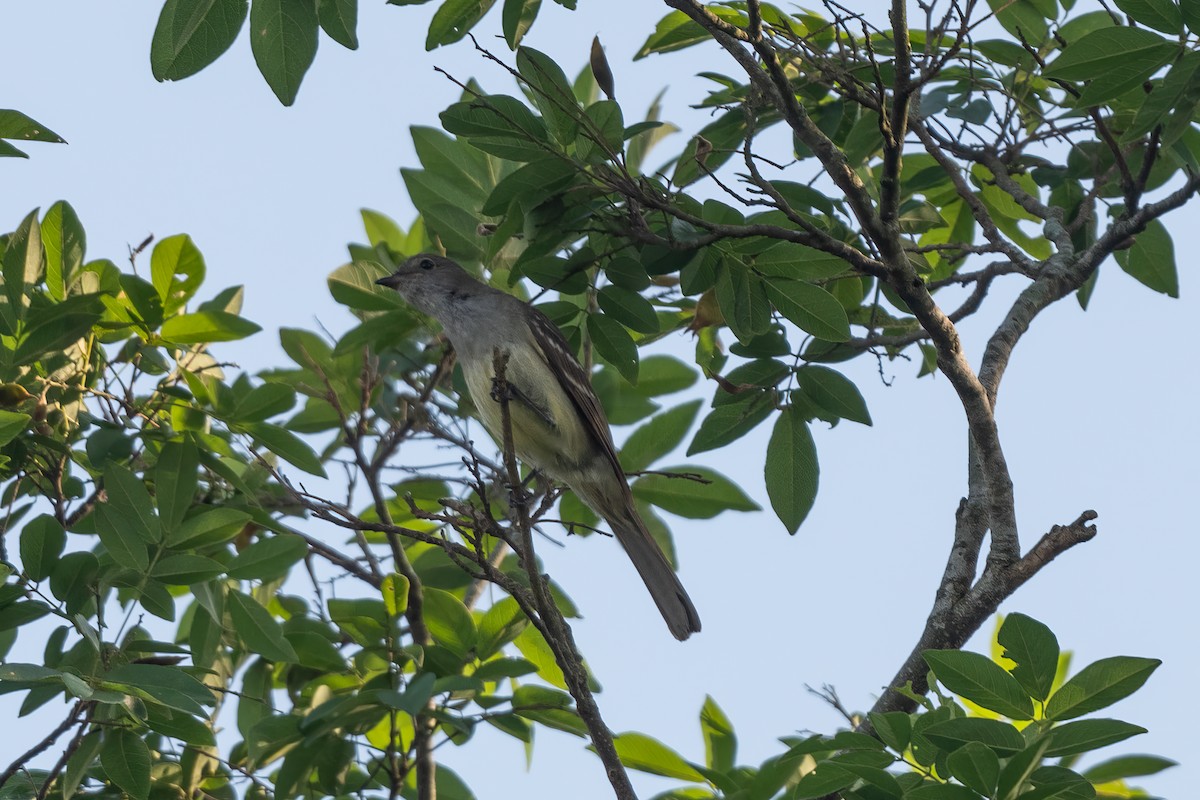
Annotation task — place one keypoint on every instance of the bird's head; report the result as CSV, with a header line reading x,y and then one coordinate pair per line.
x,y
431,282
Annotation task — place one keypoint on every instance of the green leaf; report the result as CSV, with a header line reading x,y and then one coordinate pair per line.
x,y
810,308
833,392
339,20
353,285
1100,684
791,469
1151,259
268,558
730,422
22,267
980,680
395,594
12,424
1162,15
449,621
176,256
692,499
65,243
453,20
202,327
1024,19
126,546
1001,737
191,34
79,763
260,632
941,791
531,184
658,436
209,527
127,496
629,308
614,344
1122,767
126,761
183,569
547,707
676,31
533,646
26,673
742,297
551,93
662,374
641,752
283,38
500,624
894,728
495,117
382,229
53,328
284,444
175,483
168,686
1091,59
1084,735
42,542
518,19
15,125
267,400
1034,648
720,742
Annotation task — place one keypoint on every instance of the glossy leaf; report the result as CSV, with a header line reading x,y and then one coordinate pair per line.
x,y
1084,735
283,38
449,621
339,20
614,345
126,761
658,436
692,499
810,307
207,326
980,680
454,19
1034,648
286,445
258,629
644,753
64,243
269,558
212,526
720,741
1121,767
191,34
42,543
730,422
834,393
1001,737
791,470
1099,685
175,483
1151,259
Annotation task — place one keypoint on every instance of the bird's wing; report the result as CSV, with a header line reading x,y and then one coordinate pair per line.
x,y
575,382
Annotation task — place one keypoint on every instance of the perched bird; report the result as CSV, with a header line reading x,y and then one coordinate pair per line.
x,y
558,426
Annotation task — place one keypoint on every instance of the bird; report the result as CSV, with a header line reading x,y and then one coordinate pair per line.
x,y
558,425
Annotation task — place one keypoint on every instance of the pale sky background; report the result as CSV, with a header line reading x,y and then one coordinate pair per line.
x,y
1097,409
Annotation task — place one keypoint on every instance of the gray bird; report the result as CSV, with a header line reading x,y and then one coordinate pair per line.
x,y
558,425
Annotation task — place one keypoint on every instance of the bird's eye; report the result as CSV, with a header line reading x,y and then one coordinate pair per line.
x,y
426,263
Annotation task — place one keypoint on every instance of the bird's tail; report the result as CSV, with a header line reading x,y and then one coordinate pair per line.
x,y
656,571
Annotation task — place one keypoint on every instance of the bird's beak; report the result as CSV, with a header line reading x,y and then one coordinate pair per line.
x,y
390,281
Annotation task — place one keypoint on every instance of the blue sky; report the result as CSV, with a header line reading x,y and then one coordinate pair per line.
x,y
1097,410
